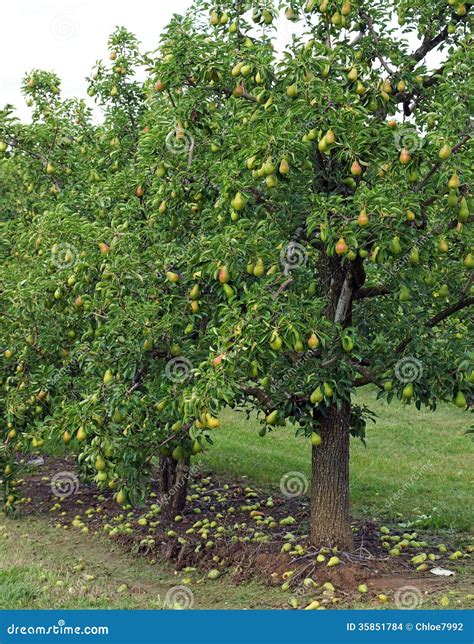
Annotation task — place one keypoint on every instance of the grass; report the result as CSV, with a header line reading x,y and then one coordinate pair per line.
x,y
416,467
417,464
43,567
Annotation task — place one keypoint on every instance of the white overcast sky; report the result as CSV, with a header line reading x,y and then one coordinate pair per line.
x,y
68,36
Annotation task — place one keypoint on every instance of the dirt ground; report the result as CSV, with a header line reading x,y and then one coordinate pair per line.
x,y
238,530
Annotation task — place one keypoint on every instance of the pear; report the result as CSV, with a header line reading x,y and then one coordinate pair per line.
x,y
328,390
292,91
336,19
67,438
298,346
284,167
346,8
259,269
414,257
212,423
229,291
196,448
100,464
313,341
395,246
360,88
363,218
314,605
250,163
315,439
50,168
322,145
121,497
81,434
463,214
408,392
271,181
341,247
272,418
268,168
108,377
445,152
454,182
195,292
469,261
388,386
238,202
118,416
460,400
353,74
333,561
443,246
173,277
362,588
224,276
317,396
214,19
452,199
356,169
404,295
401,86
276,342
405,156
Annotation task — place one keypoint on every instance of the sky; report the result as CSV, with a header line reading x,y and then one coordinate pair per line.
x,y
69,36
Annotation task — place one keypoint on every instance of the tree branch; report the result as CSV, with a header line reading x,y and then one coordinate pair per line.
x,y
439,317
371,291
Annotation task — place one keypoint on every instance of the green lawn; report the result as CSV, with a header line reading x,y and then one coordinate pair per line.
x,y
415,462
419,462
43,567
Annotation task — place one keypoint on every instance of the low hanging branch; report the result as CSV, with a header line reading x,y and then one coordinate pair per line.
x,y
463,303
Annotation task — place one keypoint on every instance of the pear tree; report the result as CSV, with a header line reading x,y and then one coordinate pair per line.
x,y
251,228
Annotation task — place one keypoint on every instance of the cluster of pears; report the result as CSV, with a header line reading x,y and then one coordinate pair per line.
x,y
268,170
276,342
322,391
257,268
454,184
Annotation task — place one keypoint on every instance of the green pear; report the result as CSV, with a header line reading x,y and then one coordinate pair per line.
x,y
315,439
272,418
317,396
460,400
328,390
404,295
408,391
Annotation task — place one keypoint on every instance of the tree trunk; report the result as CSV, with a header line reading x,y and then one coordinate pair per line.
x,y
174,476
330,524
